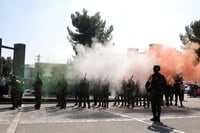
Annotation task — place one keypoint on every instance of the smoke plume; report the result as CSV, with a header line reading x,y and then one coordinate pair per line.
x,y
101,62
175,62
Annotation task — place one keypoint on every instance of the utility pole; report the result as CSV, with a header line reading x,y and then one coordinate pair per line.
x,y
38,58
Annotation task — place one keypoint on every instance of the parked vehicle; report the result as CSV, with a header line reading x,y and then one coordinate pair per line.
x,y
29,92
193,90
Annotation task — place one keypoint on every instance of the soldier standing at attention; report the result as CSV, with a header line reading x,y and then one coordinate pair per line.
x,y
84,93
62,87
58,93
76,93
177,91
155,85
37,88
14,92
19,84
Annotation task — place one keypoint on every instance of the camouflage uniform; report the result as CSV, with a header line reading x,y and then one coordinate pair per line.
x,y
14,92
20,84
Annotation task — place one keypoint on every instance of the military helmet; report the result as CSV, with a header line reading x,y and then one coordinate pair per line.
x,y
156,68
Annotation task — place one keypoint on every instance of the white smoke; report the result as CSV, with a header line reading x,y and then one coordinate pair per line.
x,y
104,61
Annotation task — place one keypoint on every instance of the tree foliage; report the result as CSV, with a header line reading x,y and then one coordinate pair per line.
x,y
6,65
192,35
86,28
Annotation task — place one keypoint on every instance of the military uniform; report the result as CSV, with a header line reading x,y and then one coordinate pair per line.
x,y
20,89
58,94
130,90
84,93
14,91
155,85
124,93
38,88
177,91
167,94
76,93
106,93
62,88
95,93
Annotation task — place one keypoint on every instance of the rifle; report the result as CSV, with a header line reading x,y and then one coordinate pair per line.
x,y
131,77
85,76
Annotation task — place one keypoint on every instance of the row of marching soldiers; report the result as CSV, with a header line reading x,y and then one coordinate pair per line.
x,y
129,94
174,92
100,93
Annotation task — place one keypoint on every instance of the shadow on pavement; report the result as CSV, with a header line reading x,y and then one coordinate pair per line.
x,y
196,109
28,109
160,128
165,110
52,109
5,109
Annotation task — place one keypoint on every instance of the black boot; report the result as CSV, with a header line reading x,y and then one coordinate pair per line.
x,y
154,116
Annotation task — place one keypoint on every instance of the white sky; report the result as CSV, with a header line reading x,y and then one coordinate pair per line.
x,y
42,24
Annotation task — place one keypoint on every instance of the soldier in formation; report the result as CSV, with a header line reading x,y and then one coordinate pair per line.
x,y
177,91
130,94
84,93
62,92
130,90
124,93
105,93
76,93
96,92
20,84
38,91
16,85
14,91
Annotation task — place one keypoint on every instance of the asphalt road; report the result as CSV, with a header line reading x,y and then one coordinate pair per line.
x,y
50,119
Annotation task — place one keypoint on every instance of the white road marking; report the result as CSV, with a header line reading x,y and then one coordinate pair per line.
x,y
13,126
76,121
148,123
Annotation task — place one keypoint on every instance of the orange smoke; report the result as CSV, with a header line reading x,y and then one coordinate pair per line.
x,y
174,62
